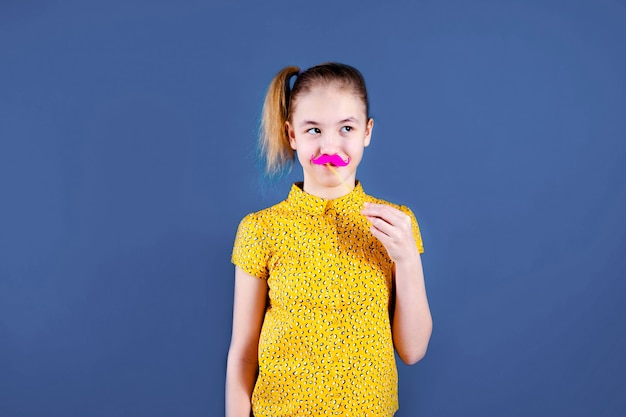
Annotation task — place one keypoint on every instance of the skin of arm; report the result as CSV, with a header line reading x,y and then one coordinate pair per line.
x,y
412,322
242,366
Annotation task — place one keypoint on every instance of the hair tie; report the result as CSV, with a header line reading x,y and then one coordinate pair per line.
x,y
288,91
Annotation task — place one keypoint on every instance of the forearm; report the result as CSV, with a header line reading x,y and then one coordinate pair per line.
x,y
412,322
240,378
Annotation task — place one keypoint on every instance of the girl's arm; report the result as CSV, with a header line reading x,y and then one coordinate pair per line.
x,y
412,323
242,366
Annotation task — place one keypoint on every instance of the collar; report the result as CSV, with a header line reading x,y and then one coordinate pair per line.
x,y
352,202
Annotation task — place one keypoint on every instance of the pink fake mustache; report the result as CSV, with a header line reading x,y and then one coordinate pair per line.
x,y
330,159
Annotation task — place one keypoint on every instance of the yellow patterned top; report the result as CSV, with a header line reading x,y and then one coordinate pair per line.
x,y
325,346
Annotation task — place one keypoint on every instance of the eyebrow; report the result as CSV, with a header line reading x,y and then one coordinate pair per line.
x,y
346,120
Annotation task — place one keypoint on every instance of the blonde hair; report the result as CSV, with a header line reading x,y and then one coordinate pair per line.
x,y
273,140
280,102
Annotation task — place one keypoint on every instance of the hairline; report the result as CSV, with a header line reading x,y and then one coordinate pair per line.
x,y
341,84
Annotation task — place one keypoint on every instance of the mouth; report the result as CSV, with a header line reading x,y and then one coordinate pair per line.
x,y
330,160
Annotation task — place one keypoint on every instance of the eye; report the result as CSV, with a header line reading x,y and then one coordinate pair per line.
x,y
314,131
346,129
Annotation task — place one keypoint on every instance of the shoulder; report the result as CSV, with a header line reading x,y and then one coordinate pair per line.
x,y
266,216
256,231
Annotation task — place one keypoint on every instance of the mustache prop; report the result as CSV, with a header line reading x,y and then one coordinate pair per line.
x,y
330,159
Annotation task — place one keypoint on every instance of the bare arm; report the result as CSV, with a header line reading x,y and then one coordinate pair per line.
x,y
242,367
412,322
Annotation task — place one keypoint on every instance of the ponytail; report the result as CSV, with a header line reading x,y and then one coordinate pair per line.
x,y
273,140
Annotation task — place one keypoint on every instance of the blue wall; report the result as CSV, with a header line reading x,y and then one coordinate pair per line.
x,y
127,160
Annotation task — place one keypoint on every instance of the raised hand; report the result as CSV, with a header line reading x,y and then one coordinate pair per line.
x,y
393,228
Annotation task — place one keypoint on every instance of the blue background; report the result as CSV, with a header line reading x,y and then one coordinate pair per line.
x,y
127,159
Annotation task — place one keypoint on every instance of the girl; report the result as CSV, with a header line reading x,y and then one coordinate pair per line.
x,y
330,280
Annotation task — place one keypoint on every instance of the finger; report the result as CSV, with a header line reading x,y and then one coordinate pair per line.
x,y
388,213
381,225
384,238
402,231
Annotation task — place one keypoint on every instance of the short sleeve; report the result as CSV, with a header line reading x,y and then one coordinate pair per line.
x,y
250,251
416,229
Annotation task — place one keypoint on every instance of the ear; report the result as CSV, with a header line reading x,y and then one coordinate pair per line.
x,y
368,132
291,134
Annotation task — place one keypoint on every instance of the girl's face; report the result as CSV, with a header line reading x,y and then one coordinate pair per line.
x,y
329,120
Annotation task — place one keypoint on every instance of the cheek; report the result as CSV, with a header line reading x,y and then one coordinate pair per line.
x,y
303,158
356,147
304,154
307,146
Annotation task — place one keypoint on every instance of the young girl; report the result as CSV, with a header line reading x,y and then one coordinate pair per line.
x,y
330,280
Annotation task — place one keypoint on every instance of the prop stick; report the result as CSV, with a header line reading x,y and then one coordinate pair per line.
x,y
339,176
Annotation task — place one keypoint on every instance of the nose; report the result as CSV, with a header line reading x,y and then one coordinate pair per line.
x,y
329,143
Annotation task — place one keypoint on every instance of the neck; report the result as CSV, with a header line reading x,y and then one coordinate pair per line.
x,y
329,193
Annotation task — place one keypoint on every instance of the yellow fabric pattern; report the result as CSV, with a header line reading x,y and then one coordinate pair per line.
x,y
326,347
